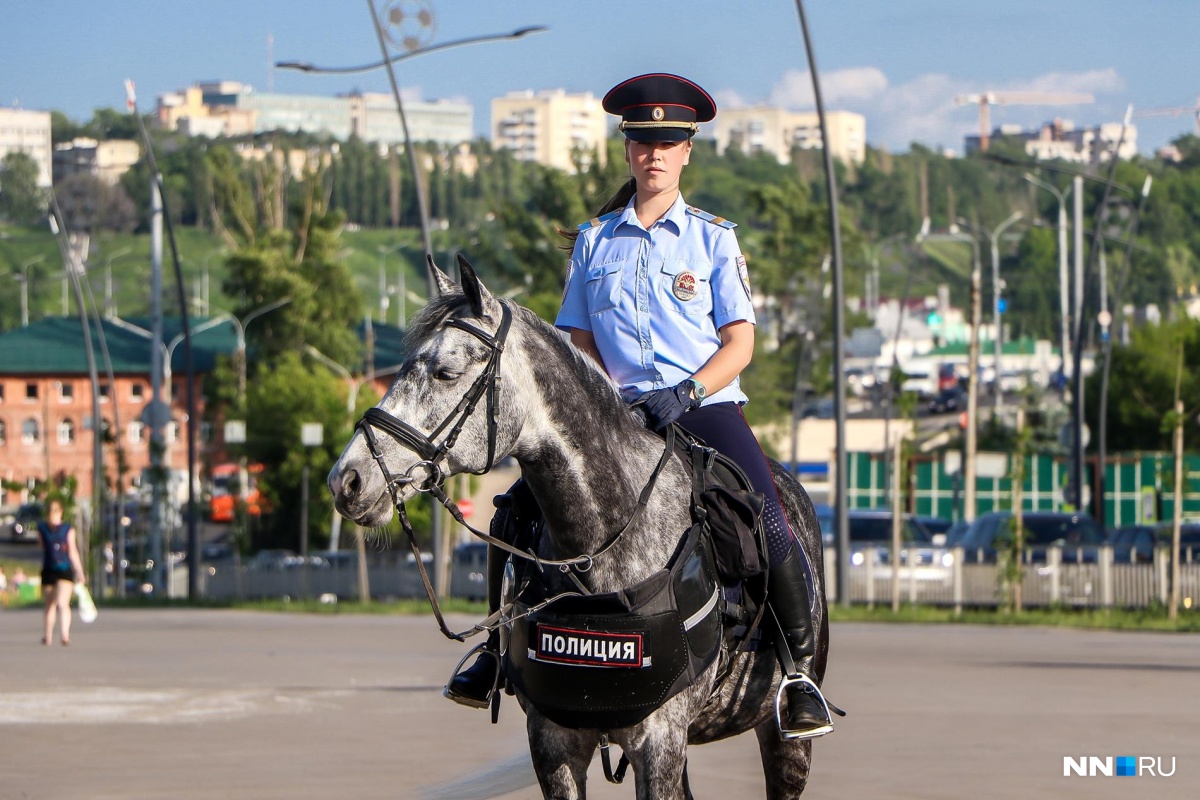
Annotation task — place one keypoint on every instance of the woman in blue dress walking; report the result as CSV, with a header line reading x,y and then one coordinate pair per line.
x,y
61,568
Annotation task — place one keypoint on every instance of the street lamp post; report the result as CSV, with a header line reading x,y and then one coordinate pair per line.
x,y
388,62
1064,306
353,385
24,279
110,309
993,237
972,367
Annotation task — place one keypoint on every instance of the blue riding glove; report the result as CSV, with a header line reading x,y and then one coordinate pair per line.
x,y
664,406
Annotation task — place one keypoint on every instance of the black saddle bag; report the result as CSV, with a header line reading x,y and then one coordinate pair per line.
x,y
723,499
609,660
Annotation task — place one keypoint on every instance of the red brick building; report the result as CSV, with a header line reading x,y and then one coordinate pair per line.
x,y
46,407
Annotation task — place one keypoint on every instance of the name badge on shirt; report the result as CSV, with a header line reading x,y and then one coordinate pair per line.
x,y
684,286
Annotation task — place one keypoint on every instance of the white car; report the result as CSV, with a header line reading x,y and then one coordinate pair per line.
x,y
921,384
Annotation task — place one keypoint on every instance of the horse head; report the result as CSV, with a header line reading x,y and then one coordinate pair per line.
x,y
447,411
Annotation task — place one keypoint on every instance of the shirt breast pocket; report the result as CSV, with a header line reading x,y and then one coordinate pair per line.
x,y
685,287
603,286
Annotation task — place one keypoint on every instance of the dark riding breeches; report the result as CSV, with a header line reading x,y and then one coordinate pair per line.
x,y
723,427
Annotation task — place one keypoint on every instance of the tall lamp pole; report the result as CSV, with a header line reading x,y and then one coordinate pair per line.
x,y
993,237
1064,305
388,62
972,366
109,309
24,279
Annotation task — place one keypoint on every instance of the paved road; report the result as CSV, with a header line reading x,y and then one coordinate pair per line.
x,y
232,705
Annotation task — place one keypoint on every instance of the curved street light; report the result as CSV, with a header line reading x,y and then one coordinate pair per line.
x,y
388,62
993,237
353,385
24,279
1064,342
972,436
306,66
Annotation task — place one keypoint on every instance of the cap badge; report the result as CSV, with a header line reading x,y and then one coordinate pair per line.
x,y
684,286
657,114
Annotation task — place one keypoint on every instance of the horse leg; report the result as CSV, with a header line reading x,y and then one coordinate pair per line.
x,y
560,757
658,762
786,762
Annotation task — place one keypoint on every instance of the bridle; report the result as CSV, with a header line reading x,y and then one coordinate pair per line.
x,y
433,455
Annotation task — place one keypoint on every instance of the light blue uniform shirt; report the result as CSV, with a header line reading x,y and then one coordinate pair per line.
x,y
655,299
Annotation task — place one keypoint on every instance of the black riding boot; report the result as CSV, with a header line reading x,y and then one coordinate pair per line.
x,y
807,712
474,685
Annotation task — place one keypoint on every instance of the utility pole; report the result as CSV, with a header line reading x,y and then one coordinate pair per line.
x,y
153,414
972,386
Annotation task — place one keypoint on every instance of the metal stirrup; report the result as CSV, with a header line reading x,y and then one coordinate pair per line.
x,y
808,686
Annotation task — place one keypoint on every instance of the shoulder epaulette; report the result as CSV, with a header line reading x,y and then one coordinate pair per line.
x,y
594,221
713,218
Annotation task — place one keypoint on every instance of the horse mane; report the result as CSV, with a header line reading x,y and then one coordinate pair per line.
x,y
592,380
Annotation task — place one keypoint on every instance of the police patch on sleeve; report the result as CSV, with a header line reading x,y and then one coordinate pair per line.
x,y
744,274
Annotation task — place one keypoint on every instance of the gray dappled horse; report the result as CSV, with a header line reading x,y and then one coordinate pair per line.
x,y
586,457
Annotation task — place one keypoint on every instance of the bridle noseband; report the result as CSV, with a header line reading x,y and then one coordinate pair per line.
x,y
433,454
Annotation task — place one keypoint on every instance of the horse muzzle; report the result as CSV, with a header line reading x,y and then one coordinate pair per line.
x,y
356,499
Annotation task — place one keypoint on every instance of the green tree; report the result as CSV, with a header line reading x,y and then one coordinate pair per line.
x,y
21,200
284,395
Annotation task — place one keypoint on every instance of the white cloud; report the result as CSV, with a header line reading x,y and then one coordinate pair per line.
x,y
842,86
923,109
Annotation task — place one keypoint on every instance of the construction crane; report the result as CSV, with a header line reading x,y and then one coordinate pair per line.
x,y
1174,112
987,99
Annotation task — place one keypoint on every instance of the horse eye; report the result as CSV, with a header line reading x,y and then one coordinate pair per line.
x,y
447,374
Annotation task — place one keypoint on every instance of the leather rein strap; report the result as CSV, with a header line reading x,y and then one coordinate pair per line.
x,y
432,455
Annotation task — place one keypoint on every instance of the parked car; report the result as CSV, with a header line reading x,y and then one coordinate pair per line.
x,y
937,527
1078,535
955,534
24,524
871,537
271,560
1133,543
948,401
817,409
919,382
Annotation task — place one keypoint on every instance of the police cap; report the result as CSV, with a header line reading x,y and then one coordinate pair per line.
x,y
659,107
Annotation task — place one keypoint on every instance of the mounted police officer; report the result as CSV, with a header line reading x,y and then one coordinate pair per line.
x,y
659,295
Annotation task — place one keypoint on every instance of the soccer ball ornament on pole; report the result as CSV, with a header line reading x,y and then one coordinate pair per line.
x,y
409,24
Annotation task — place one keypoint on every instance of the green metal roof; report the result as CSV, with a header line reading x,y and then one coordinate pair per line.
x,y
1021,347
54,346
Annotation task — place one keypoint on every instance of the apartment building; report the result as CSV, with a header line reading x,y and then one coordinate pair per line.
x,y
231,108
765,129
107,160
1060,139
28,132
550,127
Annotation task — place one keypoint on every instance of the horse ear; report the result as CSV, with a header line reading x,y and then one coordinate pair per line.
x,y
477,294
444,283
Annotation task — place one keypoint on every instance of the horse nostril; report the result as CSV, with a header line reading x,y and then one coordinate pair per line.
x,y
352,484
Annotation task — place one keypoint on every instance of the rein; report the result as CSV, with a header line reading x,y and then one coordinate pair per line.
x,y
432,482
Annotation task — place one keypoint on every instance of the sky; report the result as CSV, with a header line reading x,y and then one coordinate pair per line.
x,y
900,63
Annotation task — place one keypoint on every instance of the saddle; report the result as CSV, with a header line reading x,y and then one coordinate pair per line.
x,y
608,660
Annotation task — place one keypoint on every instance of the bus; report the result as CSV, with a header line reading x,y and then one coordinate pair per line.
x,y
223,494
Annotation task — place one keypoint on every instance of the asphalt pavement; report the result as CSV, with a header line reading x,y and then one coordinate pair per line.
x,y
231,704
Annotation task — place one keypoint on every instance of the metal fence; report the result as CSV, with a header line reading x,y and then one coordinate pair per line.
x,y
389,575
1100,583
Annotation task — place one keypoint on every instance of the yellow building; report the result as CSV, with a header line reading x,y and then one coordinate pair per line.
x,y
763,129
107,160
550,127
